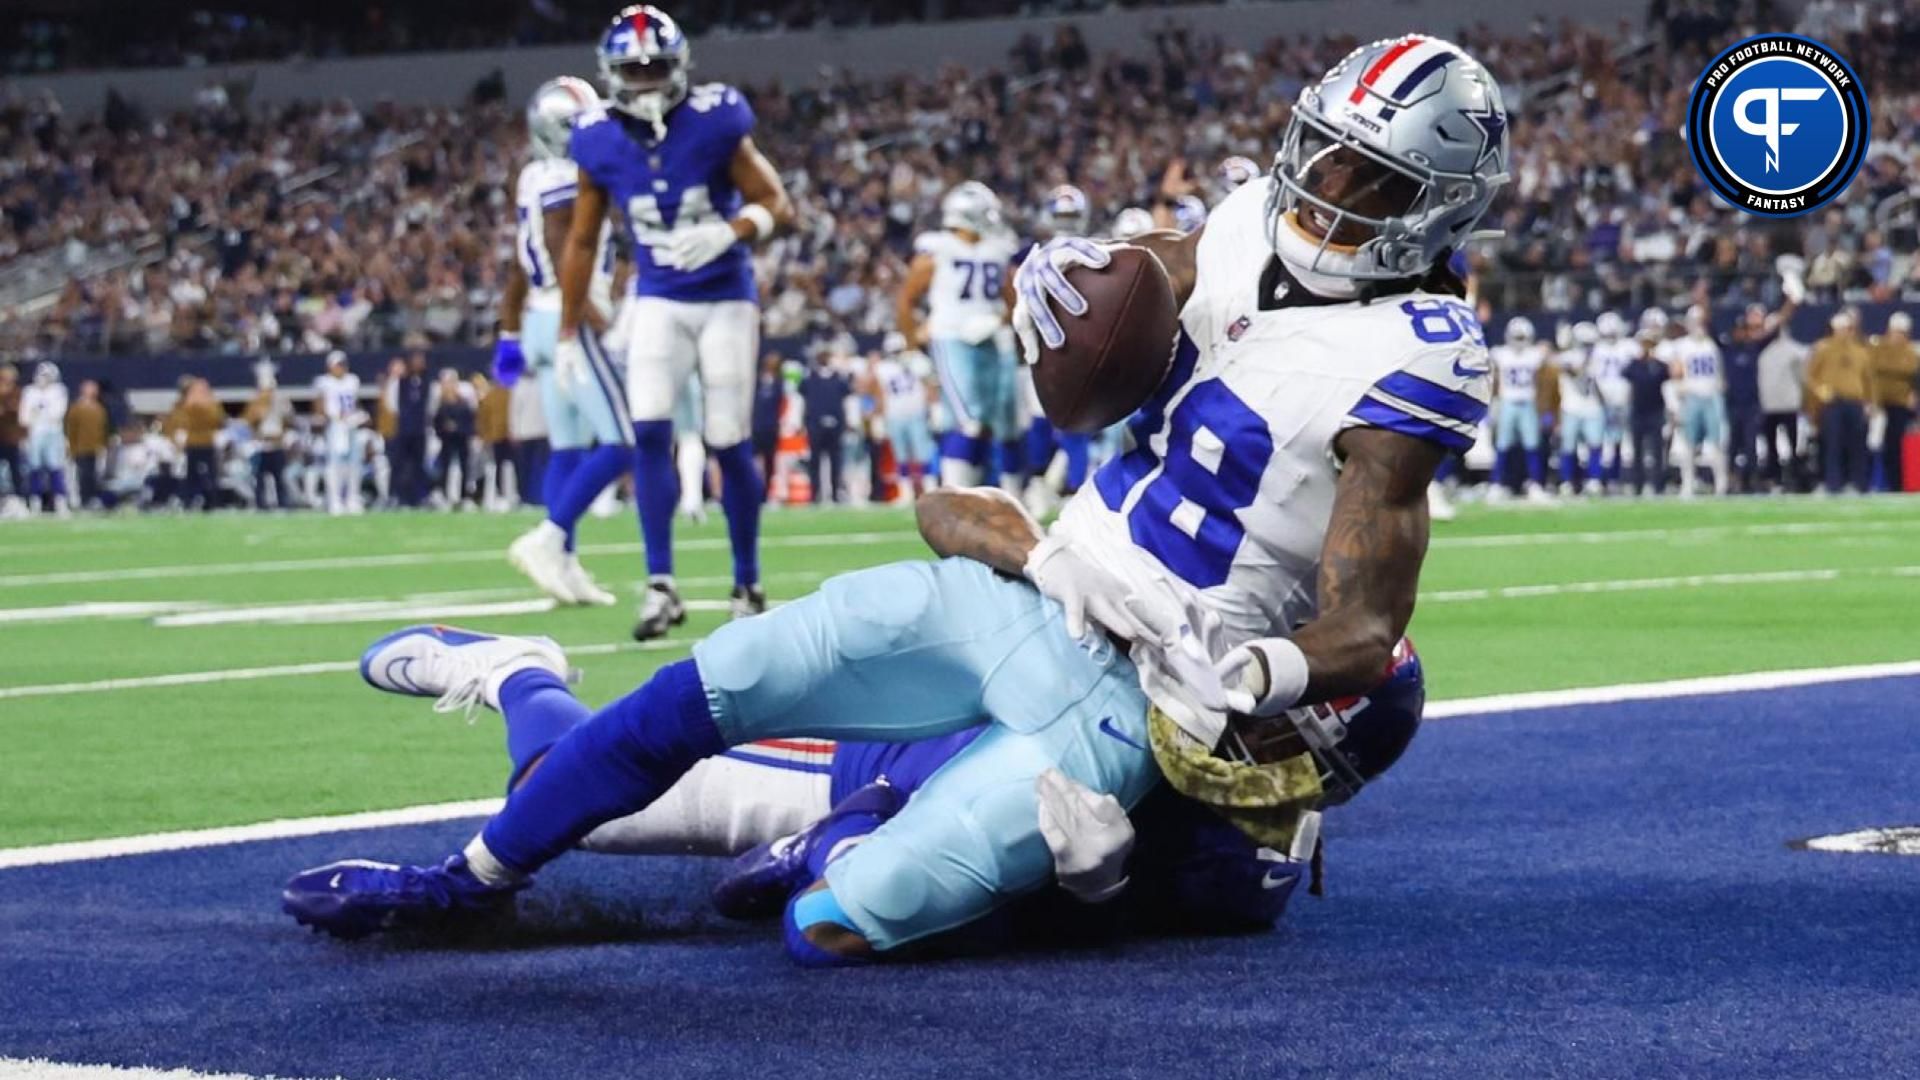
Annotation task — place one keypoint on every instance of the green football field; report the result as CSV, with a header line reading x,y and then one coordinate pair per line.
x,y
169,673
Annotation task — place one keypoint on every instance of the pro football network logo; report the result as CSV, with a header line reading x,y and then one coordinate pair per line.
x,y
1778,125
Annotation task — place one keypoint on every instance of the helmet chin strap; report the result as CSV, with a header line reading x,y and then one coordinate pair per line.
x,y
1301,252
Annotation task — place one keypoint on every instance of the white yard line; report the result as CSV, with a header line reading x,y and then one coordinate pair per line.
x,y
399,611
1699,532
97,609
278,671
85,850
1659,584
416,558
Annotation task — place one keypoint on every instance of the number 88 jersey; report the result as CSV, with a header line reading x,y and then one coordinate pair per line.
x,y
1228,485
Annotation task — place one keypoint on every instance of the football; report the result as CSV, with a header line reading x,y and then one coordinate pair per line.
x,y
1118,352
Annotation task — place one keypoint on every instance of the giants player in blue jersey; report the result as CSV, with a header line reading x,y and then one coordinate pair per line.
x,y
679,165
1257,549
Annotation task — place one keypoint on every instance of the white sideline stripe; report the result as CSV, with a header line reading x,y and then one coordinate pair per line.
x,y
422,558
98,609
1684,581
41,1069
417,558
277,671
1748,682
84,850
363,611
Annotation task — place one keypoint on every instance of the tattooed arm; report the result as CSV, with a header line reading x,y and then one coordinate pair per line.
x,y
984,524
1370,562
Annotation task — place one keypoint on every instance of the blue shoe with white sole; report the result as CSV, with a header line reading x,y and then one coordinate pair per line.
x,y
355,898
461,669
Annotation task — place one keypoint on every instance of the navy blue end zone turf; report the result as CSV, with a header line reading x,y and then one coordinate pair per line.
x,y
1600,890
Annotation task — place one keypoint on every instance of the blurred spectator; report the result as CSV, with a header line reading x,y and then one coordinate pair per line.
x,y
270,415
453,424
1783,381
527,426
87,437
491,426
11,433
769,390
823,393
1647,422
1895,366
200,421
406,395
1840,380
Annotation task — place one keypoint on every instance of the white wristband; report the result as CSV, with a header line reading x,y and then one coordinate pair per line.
x,y
760,217
1286,672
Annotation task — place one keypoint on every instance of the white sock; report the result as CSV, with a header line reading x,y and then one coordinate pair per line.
x,y
954,472
489,870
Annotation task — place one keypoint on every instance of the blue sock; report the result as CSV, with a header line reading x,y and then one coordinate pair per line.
x,y
616,763
1536,466
539,709
1446,467
1040,444
963,447
590,474
1078,448
1013,458
656,488
1566,467
740,492
562,463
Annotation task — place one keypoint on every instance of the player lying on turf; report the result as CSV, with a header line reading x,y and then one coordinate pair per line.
x,y
1275,495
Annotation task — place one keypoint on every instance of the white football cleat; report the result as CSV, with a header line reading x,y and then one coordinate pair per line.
x,y
541,554
582,585
461,669
1439,507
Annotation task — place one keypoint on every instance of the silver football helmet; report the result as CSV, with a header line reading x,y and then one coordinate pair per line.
x,y
1585,334
46,373
1065,212
972,206
551,112
1519,330
1388,162
1611,326
1131,222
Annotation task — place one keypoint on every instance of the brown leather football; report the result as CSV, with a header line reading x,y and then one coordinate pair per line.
x,y
1118,352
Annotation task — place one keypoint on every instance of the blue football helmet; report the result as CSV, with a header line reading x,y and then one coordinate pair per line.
x,y
1066,212
1189,213
644,59
1352,740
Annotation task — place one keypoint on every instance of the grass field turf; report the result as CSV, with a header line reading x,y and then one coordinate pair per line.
x,y
1597,593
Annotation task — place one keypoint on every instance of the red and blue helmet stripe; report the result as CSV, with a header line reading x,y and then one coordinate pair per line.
x,y
1401,72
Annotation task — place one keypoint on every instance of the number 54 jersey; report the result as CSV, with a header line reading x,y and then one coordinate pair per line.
x,y
1228,486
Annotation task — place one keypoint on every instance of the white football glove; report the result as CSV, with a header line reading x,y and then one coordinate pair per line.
x,y
1089,836
1264,677
1043,276
1087,590
570,362
695,247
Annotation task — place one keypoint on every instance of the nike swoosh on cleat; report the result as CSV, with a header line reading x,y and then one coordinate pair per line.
x,y
403,677
1278,876
334,881
1107,728
1468,372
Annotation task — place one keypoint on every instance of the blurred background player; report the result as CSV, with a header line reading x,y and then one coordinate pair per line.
x,y
1607,364
1696,362
337,397
1648,374
589,437
1583,420
902,382
1059,460
1131,222
1840,382
963,271
1232,173
695,193
1895,364
1516,369
43,413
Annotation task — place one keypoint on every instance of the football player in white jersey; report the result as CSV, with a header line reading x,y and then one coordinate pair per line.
x,y
1516,368
1259,548
585,403
902,383
43,413
338,392
963,271
1695,360
1058,460
1583,419
1607,363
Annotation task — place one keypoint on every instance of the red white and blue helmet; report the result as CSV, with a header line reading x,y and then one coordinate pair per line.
x,y
1416,130
1189,213
1234,172
1066,212
1352,740
644,60
552,110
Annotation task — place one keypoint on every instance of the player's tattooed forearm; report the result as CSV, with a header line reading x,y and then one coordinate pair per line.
x,y
1370,562
983,524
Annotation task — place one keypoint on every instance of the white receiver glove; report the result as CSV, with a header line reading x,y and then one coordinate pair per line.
x,y
1264,677
1089,835
570,361
1088,591
1042,278
694,247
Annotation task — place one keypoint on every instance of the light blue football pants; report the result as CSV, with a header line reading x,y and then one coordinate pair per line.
x,y
918,649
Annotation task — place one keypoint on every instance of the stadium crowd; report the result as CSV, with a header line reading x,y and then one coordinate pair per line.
x,y
253,230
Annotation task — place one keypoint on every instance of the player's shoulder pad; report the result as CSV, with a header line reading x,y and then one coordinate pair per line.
x,y
722,105
1436,380
933,242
